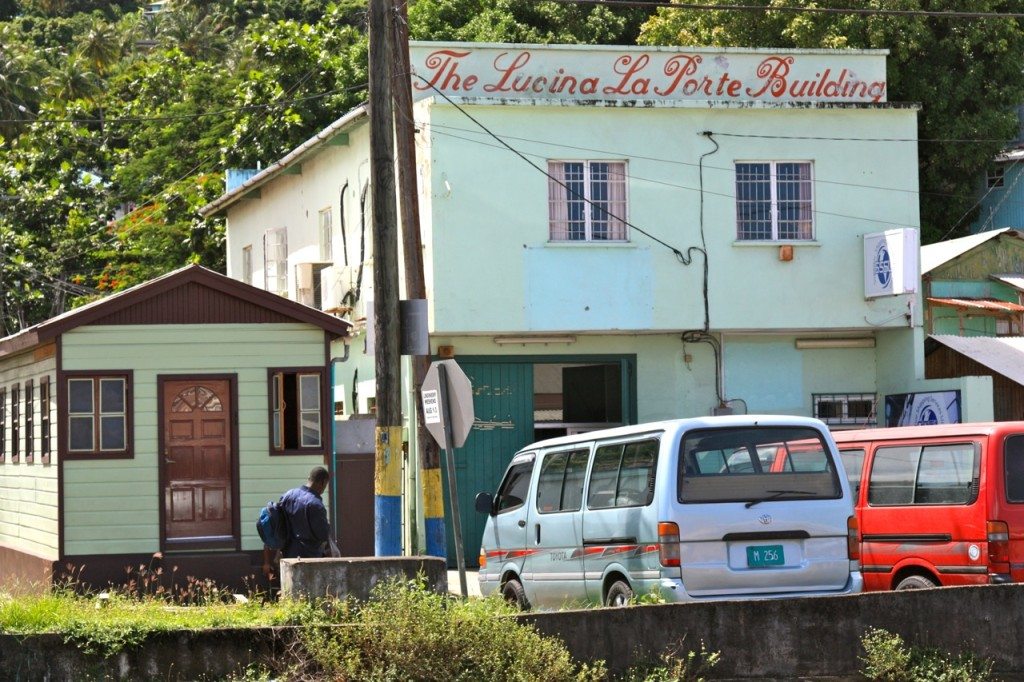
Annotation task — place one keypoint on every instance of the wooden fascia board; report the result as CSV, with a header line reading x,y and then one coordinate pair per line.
x,y
21,342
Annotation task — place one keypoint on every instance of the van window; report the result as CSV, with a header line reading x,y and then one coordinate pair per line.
x,y
751,464
1013,465
623,475
560,487
853,462
932,474
512,493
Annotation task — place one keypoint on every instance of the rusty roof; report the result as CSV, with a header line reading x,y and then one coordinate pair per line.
x,y
986,304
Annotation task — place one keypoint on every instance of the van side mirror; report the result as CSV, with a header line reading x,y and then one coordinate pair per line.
x,y
484,503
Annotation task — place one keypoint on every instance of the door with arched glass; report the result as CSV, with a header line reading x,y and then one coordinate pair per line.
x,y
197,462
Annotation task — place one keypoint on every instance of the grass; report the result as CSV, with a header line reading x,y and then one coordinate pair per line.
x,y
405,632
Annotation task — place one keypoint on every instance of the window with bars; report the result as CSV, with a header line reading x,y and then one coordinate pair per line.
x,y
845,409
275,261
296,414
774,201
587,200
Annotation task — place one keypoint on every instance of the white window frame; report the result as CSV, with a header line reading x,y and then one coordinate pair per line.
x,y
995,176
774,207
325,227
247,264
560,227
275,261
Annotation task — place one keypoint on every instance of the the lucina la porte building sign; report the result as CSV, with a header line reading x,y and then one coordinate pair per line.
x,y
713,74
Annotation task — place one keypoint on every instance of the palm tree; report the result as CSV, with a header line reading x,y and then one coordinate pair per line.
x,y
197,32
20,74
100,46
72,79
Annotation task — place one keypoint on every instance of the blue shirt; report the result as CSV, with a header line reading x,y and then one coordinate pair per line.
x,y
308,529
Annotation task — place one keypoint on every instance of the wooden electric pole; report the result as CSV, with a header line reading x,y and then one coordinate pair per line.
x,y
388,451
415,284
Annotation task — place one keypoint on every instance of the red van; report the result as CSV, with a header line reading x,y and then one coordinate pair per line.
x,y
938,505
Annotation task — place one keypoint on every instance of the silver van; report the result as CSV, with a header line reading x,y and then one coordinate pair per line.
x,y
690,509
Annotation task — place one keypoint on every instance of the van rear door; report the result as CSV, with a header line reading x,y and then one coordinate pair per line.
x,y
762,510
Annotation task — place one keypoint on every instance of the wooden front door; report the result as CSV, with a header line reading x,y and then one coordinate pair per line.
x,y
197,462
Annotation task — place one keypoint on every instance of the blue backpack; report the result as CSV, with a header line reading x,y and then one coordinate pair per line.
x,y
272,526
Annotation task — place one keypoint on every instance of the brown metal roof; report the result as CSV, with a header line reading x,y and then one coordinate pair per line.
x,y
987,304
190,295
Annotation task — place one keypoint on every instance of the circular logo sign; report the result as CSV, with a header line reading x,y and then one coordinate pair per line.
x,y
974,552
928,411
883,265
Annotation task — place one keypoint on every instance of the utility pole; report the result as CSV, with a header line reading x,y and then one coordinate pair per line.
x,y
387,478
415,284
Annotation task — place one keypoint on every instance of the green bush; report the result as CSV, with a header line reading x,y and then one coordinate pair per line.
x,y
407,632
889,658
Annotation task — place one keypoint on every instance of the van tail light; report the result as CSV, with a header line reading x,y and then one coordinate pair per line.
x,y
483,559
852,538
668,543
998,536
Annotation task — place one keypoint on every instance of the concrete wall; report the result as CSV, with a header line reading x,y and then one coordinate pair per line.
x,y
356,578
785,639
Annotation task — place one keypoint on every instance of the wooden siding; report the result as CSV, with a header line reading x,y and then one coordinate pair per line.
x,y
28,490
999,255
124,494
193,303
1007,395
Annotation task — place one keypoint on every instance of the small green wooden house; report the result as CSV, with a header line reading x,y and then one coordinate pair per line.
x,y
149,428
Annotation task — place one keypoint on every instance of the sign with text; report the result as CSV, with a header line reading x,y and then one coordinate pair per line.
x,y
447,396
659,74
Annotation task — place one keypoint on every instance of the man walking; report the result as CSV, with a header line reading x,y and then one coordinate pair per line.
x,y
308,529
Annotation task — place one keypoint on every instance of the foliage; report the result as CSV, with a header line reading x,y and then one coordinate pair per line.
x,y
888,657
408,632
115,124
673,667
524,21
107,623
964,73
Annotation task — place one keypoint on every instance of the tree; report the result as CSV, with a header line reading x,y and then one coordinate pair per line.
x,y
966,73
524,21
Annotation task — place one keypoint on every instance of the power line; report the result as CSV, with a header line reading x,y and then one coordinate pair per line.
x,y
673,185
561,145
185,117
935,14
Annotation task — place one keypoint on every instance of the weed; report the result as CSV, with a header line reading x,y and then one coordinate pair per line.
x,y
889,658
654,596
673,667
409,632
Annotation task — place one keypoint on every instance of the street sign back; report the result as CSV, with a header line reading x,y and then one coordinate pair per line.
x,y
456,411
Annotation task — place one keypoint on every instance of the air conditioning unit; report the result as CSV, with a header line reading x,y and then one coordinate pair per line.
x,y
307,283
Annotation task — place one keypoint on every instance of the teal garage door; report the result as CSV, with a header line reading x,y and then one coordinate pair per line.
x,y
503,405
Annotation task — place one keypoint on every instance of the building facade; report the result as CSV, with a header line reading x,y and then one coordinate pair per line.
x,y
616,235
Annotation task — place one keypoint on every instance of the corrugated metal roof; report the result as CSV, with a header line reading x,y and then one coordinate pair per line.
x,y
1002,354
934,255
1015,281
979,304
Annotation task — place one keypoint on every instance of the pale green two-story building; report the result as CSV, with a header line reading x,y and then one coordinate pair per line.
x,y
615,235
